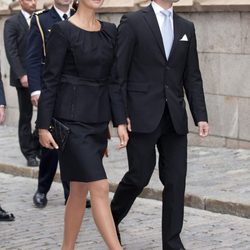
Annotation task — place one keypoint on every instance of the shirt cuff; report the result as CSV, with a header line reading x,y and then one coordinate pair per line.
x,y
37,92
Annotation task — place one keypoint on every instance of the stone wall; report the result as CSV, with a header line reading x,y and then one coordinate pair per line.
x,y
223,36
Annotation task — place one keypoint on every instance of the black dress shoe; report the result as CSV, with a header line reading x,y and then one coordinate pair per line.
x,y
40,200
88,203
32,162
4,216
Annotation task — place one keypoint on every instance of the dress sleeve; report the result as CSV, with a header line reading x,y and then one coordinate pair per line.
x,y
56,49
117,104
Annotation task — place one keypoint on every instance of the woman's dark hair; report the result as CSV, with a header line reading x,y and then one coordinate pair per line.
x,y
75,5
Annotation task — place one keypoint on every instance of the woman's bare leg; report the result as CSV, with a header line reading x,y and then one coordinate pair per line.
x,y
74,213
99,193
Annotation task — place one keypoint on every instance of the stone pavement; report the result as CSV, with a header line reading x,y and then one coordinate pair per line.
x,y
42,229
218,178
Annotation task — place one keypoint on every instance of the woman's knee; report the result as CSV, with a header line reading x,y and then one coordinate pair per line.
x,y
99,188
78,189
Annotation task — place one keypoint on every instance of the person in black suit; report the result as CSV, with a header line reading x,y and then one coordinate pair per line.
x,y
156,62
4,216
15,40
79,92
41,25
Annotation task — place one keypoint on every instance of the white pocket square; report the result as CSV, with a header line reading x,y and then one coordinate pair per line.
x,y
184,38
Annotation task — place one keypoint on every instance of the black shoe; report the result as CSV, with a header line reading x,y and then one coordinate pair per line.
x,y
40,200
4,216
88,203
32,162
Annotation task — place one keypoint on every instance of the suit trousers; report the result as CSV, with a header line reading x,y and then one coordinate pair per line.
x,y
172,163
47,171
29,143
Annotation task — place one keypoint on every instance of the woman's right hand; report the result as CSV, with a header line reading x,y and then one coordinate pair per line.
x,y
123,135
46,139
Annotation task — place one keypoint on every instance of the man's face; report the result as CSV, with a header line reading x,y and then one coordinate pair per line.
x,y
63,2
28,5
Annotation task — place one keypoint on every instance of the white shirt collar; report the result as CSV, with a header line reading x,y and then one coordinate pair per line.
x,y
160,16
61,13
157,8
26,14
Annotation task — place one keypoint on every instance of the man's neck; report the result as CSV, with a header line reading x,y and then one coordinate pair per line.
x,y
29,12
164,4
63,8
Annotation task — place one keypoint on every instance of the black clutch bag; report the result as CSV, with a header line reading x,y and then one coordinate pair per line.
x,y
60,133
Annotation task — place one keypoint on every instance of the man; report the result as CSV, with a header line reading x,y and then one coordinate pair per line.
x,y
156,62
15,40
41,25
4,216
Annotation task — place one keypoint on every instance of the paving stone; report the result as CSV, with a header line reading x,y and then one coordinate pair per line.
x,y
42,229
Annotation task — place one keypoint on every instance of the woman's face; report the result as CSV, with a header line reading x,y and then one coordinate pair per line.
x,y
92,4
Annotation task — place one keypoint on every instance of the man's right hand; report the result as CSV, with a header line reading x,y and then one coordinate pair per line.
x,y
24,81
34,100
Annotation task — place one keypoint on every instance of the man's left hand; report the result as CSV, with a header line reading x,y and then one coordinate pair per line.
x,y
203,129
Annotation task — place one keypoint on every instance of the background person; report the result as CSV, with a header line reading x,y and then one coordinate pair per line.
x,y
16,30
41,25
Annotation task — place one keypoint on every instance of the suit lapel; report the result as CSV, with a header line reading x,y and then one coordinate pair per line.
x,y
23,21
152,22
177,33
55,15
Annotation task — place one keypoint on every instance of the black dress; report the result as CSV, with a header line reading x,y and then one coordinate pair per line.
x,y
79,91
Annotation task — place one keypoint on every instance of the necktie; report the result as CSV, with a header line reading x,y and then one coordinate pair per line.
x,y
65,16
167,32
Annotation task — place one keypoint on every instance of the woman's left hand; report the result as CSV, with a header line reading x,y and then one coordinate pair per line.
x,y
46,139
123,135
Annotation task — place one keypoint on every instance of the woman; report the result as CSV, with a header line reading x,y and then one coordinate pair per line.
x,y
79,93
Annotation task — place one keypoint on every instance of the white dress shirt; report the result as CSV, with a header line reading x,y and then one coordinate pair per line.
x,y
160,17
27,16
61,13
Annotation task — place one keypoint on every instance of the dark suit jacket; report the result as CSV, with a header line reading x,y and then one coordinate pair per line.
x,y
35,56
2,96
15,42
148,78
